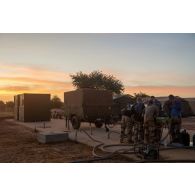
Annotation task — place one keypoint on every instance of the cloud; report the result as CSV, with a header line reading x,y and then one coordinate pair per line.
x,y
27,80
14,88
10,86
16,79
33,72
184,91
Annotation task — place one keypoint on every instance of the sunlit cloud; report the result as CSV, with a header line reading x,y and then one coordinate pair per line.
x,y
183,91
32,72
156,64
15,79
14,88
10,86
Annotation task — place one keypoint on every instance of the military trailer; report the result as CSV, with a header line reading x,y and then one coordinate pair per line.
x,y
32,107
88,105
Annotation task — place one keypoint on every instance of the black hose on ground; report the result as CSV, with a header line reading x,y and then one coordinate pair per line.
x,y
166,161
139,161
90,160
95,160
95,147
109,154
175,147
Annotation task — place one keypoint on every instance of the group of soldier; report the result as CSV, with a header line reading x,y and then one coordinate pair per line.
x,y
139,121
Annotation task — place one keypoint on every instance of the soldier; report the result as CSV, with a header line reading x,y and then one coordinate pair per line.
x,y
175,118
138,110
173,109
168,105
156,102
126,125
151,112
160,113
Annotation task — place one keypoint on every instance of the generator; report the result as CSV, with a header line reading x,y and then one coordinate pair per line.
x,y
88,105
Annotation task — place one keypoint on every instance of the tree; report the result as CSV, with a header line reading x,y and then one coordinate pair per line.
x,y
9,106
97,80
2,106
141,95
56,102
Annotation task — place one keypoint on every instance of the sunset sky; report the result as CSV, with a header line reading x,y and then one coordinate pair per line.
x,y
157,64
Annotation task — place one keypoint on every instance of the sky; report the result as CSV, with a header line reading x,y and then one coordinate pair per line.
x,y
156,64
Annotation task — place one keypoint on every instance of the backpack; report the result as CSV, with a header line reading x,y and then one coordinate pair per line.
x,y
138,110
184,138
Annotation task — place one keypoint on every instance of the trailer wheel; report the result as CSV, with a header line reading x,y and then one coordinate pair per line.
x,y
98,123
75,122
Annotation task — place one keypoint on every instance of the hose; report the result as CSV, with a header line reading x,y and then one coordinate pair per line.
x,y
108,153
101,144
175,147
139,161
130,150
96,146
116,145
90,160
166,161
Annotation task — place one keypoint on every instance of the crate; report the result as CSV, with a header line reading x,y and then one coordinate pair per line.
x,y
32,107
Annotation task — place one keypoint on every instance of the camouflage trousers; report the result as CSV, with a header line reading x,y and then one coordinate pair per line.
x,y
151,135
138,132
175,126
126,128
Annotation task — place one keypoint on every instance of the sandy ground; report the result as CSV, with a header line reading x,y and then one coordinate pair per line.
x,y
19,144
4,115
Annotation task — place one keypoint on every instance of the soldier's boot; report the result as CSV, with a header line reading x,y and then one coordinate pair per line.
x,y
129,139
121,140
122,136
142,135
136,137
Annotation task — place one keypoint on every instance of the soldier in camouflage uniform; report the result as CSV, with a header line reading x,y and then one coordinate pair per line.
x,y
158,123
138,110
126,126
151,135
173,109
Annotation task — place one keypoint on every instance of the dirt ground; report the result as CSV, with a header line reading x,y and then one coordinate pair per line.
x,y
19,145
4,115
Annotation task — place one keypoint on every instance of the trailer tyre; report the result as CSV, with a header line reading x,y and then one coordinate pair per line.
x,y
98,123
75,122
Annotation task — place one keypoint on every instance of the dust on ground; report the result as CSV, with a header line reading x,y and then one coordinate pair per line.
x,y
18,144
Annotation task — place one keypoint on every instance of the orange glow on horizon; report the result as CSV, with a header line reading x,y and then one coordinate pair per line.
x,y
182,91
58,88
19,79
